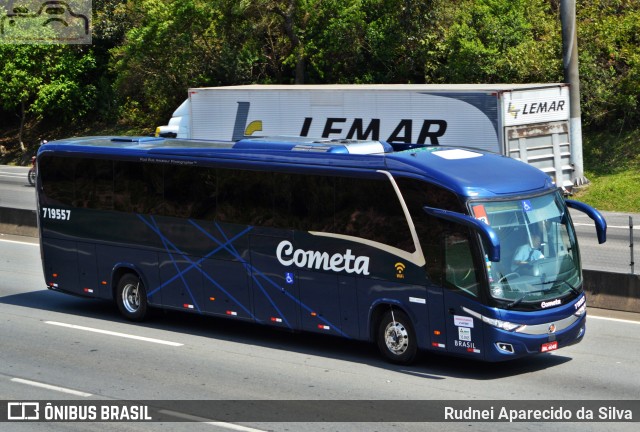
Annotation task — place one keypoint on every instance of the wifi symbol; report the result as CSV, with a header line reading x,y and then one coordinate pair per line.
x,y
400,270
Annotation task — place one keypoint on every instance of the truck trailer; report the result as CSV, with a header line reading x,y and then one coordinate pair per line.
x,y
528,122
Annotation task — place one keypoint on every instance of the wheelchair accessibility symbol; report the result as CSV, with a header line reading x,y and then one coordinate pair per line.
x,y
288,277
526,205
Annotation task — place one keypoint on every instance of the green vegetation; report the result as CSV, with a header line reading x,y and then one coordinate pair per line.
x,y
612,162
146,54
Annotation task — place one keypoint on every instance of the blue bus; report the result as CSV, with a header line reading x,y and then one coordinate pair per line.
x,y
412,247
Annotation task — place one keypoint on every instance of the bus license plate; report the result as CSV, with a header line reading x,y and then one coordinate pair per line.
x,y
549,346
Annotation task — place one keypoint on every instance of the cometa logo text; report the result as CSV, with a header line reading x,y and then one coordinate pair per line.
x,y
555,302
337,262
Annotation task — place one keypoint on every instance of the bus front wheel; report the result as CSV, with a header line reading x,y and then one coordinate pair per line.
x,y
396,338
131,297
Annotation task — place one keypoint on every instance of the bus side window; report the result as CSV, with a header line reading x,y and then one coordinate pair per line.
x,y
309,202
460,269
431,231
58,180
245,197
138,187
369,209
94,184
196,201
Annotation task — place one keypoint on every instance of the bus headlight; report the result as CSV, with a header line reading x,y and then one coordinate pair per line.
x,y
503,325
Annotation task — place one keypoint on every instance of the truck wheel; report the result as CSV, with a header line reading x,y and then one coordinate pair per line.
x,y
131,297
396,338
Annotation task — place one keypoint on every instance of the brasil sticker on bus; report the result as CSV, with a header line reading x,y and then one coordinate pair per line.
x,y
549,346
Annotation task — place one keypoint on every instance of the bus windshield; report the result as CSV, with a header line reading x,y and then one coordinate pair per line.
x,y
539,258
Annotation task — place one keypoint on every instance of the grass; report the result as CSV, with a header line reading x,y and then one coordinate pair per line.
x,y
613,192
612,166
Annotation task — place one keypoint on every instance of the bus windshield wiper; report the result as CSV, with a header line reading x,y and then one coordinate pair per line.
x,y
517,301
571,287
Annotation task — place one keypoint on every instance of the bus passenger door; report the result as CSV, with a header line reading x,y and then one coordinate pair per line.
x,y
273,286
461,290
464,333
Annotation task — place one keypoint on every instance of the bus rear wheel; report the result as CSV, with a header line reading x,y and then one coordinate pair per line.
x,y
396,337
131,297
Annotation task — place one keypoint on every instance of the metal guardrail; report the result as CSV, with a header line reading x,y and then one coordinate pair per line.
x,y
617,255
631,256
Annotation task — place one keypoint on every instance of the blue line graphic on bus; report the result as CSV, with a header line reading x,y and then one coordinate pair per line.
x,y
166,244
193,264
261,281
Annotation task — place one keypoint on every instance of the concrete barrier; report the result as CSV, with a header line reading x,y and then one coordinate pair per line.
x,y
18,222
605,290
616,291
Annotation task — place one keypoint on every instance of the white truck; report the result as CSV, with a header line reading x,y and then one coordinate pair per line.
x,y
529,122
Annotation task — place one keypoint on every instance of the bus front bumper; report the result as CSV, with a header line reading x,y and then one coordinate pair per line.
x,y
532,340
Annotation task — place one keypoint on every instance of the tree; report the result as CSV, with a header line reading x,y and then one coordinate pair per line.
x,y
492,41
175,45
160,48
609,56
342,41
46,81
292,19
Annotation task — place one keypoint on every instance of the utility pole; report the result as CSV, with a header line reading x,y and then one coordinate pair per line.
x,y
571,76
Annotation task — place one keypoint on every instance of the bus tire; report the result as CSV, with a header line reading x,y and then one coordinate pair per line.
x,y
131,297
396,338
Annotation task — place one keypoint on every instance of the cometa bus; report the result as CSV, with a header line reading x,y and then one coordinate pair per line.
x,y
413,247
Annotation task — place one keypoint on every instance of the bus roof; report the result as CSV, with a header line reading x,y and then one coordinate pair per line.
x,y
467,172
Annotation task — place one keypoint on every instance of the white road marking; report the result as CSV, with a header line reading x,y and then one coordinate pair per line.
x,y
613,319
225,425
19,242
635,227
51,387
111,333
234,427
